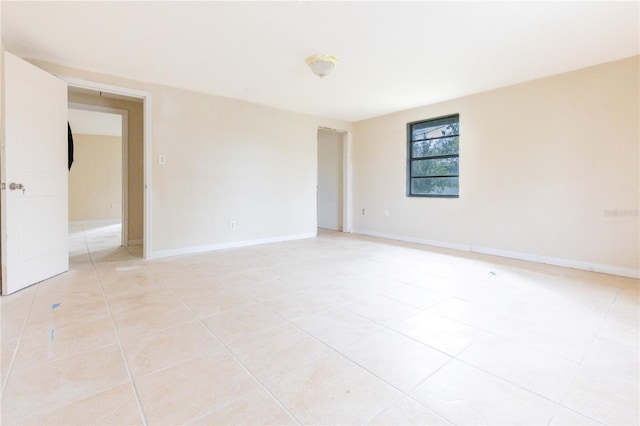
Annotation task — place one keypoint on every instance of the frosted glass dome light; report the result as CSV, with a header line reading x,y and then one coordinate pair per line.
x,y
321,65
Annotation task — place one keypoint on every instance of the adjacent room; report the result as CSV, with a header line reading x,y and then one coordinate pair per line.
x,y
309,212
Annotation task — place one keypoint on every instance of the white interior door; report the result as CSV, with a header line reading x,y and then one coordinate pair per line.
x,y
34,163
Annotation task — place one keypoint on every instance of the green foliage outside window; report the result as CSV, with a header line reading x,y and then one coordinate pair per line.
x,y
433,158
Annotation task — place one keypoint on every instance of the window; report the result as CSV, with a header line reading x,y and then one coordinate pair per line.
x,y
433,157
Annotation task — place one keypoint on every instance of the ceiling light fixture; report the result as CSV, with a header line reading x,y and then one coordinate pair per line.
x,y
321,65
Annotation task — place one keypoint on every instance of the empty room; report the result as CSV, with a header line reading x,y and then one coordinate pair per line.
x,y
310,212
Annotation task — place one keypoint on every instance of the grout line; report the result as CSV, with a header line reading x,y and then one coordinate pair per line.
x,y
575,372
508,381
338,352
24,326
115,329
230,352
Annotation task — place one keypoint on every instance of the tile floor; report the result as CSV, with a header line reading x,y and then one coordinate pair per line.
x,y
339,329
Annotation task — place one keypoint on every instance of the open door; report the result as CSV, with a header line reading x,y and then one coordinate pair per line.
x,y
34,172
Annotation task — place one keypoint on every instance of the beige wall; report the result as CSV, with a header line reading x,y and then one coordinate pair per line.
x,y
330,179
95,178
135,156
225,160
541,165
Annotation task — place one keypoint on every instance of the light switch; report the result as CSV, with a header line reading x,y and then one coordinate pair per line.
x,y
161,159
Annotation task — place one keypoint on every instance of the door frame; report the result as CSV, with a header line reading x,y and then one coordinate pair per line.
x,y
347,177
147,252
124,117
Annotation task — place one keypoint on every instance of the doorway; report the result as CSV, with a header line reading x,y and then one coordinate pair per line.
x,y
332,188
113,223
98,176
98,184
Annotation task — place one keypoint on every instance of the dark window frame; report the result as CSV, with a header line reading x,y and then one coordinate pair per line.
x,y
410,157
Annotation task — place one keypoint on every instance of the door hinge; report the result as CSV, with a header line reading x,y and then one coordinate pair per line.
x,y
4,186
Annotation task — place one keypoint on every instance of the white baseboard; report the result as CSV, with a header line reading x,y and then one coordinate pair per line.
x,y
135,242
567,263
463,247
103,222
233,244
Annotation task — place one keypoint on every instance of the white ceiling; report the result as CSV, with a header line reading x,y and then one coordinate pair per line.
x,y
95,122
392,55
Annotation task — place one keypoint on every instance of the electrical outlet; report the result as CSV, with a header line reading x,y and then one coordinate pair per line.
x,y
162,159
232,225
386,212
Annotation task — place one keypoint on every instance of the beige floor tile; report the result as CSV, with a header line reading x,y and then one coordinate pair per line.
x,y
470,313
164,348
465,395
626,307
567,313
78,288
538,371
298,305
337,293
211,302
439,332
277,352
380,309
244,323
408,412
338,328
187,391
564,342
488,296
619,360
545,317
66,314
414,296
605,397
435,283
41,390
255,408
564,416
8,349
333,391
44,343
116,406
623,333
265,289
132,323
398,360
136,299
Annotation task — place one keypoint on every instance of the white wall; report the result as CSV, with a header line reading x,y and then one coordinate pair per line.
x,y
226,160
330,179
542,163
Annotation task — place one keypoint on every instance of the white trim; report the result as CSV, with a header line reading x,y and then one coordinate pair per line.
x,y
134,242
92,85
97,222
347,196
347,180
567,263
443,244
124,120
147,253
232,244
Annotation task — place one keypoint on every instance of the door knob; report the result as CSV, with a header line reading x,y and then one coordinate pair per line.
x,y
13,186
